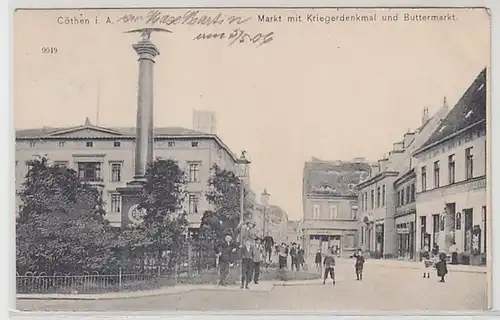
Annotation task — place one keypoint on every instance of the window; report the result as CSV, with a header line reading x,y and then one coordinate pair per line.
x,y
193,203
316,212
402,197
32,144
383,195
89,171
373,199
89,144
116,203
333,212
451,169
117,144
442,222
116,172
436,174
378,197
412,192
354,213
458,221
366,201
194,144
469,164
171,144
194,172
61,144
423,230
61,164
424,178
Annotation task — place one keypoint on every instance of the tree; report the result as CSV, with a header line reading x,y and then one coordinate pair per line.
x,y
224,196
163,226
61,228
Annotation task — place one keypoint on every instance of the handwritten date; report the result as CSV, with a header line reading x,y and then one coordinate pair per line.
x,y
238,35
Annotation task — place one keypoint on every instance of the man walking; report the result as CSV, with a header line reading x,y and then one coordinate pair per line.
x,y
329,264
257,260
246,264
225,254
294,256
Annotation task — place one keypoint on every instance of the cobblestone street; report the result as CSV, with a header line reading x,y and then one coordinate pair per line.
x,y
382,289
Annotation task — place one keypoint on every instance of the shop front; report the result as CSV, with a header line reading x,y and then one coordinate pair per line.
x,y
406,235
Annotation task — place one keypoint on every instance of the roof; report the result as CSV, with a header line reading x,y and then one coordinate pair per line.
x,y
469,110
335,178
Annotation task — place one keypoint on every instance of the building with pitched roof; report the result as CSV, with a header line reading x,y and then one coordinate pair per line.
x,y
451,178
275,220
104,157
387,196
330,204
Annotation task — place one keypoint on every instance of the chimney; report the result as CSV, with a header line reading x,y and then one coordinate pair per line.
x,y
375,169
425,116
408,139
382,164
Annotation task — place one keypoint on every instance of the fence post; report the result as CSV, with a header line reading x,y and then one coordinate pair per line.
x,y
190,258
120,279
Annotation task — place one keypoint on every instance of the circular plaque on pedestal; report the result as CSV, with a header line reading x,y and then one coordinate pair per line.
x,y
135,214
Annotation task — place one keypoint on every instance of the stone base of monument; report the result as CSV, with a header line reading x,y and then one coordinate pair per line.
x,y
131,197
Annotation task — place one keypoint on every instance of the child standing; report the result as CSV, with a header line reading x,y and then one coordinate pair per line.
x,y
360,261
317,261
427,263
441,266
329,263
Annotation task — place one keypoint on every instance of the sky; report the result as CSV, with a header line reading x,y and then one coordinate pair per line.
x,y
333,90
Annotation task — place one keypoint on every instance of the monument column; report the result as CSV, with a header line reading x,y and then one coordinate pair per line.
x,y
144,139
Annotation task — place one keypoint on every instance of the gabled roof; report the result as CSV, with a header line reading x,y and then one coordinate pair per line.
x,y
469,110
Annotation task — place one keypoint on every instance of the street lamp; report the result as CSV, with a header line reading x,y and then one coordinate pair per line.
x,y
264,199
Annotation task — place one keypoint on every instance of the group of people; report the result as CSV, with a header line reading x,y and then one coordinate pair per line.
x,y
434,259
328,263
252,254
297,257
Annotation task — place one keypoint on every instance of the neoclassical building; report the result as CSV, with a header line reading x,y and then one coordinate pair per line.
x,y
104,157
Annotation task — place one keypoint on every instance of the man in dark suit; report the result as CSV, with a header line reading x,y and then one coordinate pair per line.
x,y
246,264
225,252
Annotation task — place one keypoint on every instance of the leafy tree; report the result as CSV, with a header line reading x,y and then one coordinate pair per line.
x,y
163,225
60,228
224,196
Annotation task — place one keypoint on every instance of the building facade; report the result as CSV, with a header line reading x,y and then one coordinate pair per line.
x,y
451,179
388,198
105,157
271,221
330,205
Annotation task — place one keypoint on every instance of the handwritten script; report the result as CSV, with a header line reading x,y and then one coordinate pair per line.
x,y
238,35
191,17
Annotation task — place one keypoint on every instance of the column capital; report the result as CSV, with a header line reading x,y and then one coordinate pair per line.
x,y
146,50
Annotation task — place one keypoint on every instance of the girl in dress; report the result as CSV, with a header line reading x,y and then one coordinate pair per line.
x,y
427,263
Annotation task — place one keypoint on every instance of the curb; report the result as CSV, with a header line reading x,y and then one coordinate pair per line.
x,y
419,267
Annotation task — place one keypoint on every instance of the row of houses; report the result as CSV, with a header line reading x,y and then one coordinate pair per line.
x,y
429,190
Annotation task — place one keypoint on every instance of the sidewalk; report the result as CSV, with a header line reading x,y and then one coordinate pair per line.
x,y
392,263
264,286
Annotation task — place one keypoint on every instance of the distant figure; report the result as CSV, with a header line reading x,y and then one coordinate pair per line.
x,y
282,256
268,245
435,250
294,257
317,261
427,263
441,267
329,264
225,252
302,259
360,261
246,264
257,259
454,253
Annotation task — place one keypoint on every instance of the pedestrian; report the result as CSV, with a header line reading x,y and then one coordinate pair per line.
x,y
246,264
427,263
302,259
317,261
441,267
360,261
329,264
294,257
226,255
454,253
282,257
268,245
257,259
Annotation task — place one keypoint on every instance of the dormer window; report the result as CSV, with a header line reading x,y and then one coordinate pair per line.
x,y
89,144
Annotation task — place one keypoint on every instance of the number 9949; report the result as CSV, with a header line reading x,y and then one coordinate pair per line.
x,y
49,50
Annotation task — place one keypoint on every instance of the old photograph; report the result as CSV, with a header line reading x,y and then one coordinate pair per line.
x,y
254,159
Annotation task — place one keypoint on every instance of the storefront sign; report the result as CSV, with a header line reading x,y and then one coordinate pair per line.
x,y
403,230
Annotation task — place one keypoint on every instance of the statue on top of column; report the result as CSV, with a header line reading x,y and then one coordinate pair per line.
x,y
146,32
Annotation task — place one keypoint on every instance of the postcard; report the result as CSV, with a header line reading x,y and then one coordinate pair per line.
x,y
258,159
